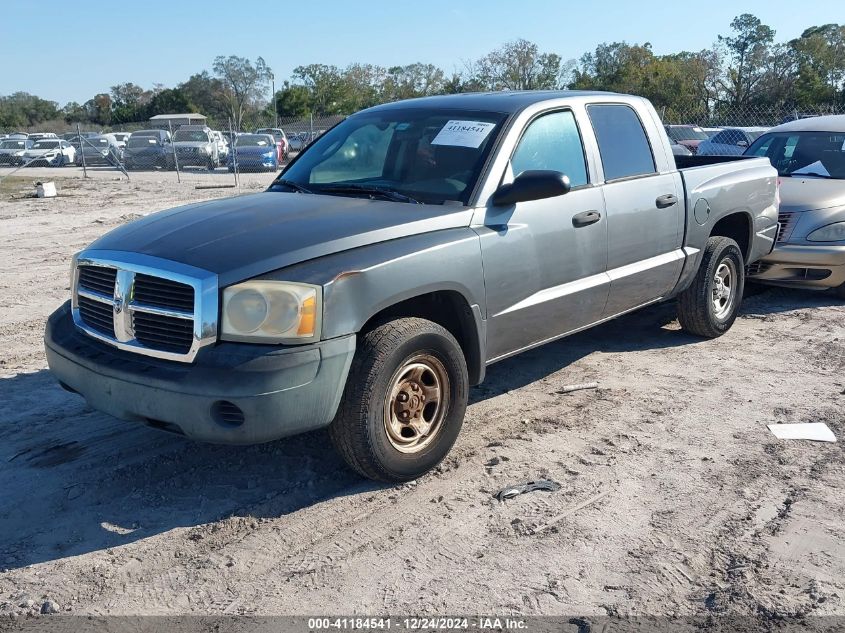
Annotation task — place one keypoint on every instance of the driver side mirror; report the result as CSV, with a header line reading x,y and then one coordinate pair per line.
x,y
532,185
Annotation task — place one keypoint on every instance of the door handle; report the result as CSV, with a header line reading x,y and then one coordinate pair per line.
x,y
585,219
669,200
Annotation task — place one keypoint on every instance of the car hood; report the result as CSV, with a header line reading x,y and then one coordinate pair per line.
x,y
805,194
245,236
192,143
41,152
254,150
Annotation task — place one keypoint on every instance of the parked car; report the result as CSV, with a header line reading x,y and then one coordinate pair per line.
x,y
121,138
281,140
98,150
254,152
711,131
732,141
809,155
49,152
222,146
366,291
297,141
196,146
37,136
690,136
11,149
148,149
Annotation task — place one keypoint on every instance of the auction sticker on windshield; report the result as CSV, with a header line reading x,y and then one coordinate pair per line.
x,y
463,133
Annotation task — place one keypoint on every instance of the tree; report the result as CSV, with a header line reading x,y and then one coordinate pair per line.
x,y
205,94
243,84
748,51
293,101
326,85
129,102
518,65
21,110
413,80
820,60
169,101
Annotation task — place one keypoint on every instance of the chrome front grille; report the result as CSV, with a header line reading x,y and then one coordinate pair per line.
x,y
145,305
786,222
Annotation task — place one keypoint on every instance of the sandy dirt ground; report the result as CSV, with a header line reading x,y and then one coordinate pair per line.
x,y
675,500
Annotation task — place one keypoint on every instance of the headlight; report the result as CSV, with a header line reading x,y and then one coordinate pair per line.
x,y
269,154
271,312
20,153
203,150
105,152
831,233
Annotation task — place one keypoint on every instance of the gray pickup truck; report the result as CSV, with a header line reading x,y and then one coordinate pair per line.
x,y
394,259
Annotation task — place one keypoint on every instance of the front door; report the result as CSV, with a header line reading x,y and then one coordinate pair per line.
x,y
545,260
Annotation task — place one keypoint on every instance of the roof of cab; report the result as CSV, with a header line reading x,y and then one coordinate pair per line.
x,y
507,102
828,123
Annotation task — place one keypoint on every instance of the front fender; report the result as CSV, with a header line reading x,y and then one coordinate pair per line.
x,y
360,283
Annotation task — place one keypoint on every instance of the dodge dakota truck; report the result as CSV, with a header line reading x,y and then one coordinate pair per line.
x,y
394,259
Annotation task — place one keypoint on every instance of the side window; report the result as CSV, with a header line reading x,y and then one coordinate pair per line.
x,y
623,144
552,142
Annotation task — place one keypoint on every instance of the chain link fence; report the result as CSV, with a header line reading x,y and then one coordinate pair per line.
x,y
206,151
184,148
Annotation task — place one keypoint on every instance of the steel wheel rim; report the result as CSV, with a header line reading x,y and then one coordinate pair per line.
x,y
416,403
724,289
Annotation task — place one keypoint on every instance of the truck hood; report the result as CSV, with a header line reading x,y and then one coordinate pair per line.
x,y
806,194
245,236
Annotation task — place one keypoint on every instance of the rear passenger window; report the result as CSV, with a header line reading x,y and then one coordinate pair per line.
x,y
623,144
552,142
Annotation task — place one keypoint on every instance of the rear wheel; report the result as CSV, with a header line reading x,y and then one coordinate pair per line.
x,y
404,401
710,305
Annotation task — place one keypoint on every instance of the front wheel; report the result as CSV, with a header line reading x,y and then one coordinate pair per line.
x,y
710,305
404,401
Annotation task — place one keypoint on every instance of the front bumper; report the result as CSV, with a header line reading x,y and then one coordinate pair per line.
x,y
279,391
801,266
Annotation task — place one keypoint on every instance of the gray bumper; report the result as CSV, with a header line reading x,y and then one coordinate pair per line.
x,y
278,391
801,266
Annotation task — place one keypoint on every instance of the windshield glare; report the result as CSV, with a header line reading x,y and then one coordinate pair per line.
x,y
12,145
252,141
194,136
803,153
687,133
431,156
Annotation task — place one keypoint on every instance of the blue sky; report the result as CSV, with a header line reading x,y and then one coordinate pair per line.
x,y
81,48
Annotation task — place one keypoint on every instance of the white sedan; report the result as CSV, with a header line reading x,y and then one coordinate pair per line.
x,y
49,152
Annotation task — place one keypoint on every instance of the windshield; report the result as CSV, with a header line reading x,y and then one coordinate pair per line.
x,y
276,134
102,142
252,140
687,133
141,141
13,145
46,145
431,156
196,136
820,154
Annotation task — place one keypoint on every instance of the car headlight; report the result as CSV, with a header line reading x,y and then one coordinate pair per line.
x,y
831,233
20,153
203,149
271,312
269,154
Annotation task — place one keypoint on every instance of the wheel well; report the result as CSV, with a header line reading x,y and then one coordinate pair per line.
x,y
447,308
737,227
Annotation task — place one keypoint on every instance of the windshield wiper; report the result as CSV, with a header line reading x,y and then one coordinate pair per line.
x,y
293,185
384,192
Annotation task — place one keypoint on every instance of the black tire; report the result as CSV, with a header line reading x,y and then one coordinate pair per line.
x,y
697,312
359,430
840,291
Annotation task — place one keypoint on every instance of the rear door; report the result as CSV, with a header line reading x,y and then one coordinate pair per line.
x,y
644,208
544,260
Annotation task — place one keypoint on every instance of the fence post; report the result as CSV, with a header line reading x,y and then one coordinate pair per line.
x,y
82,150
234,156
311,128
173,147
